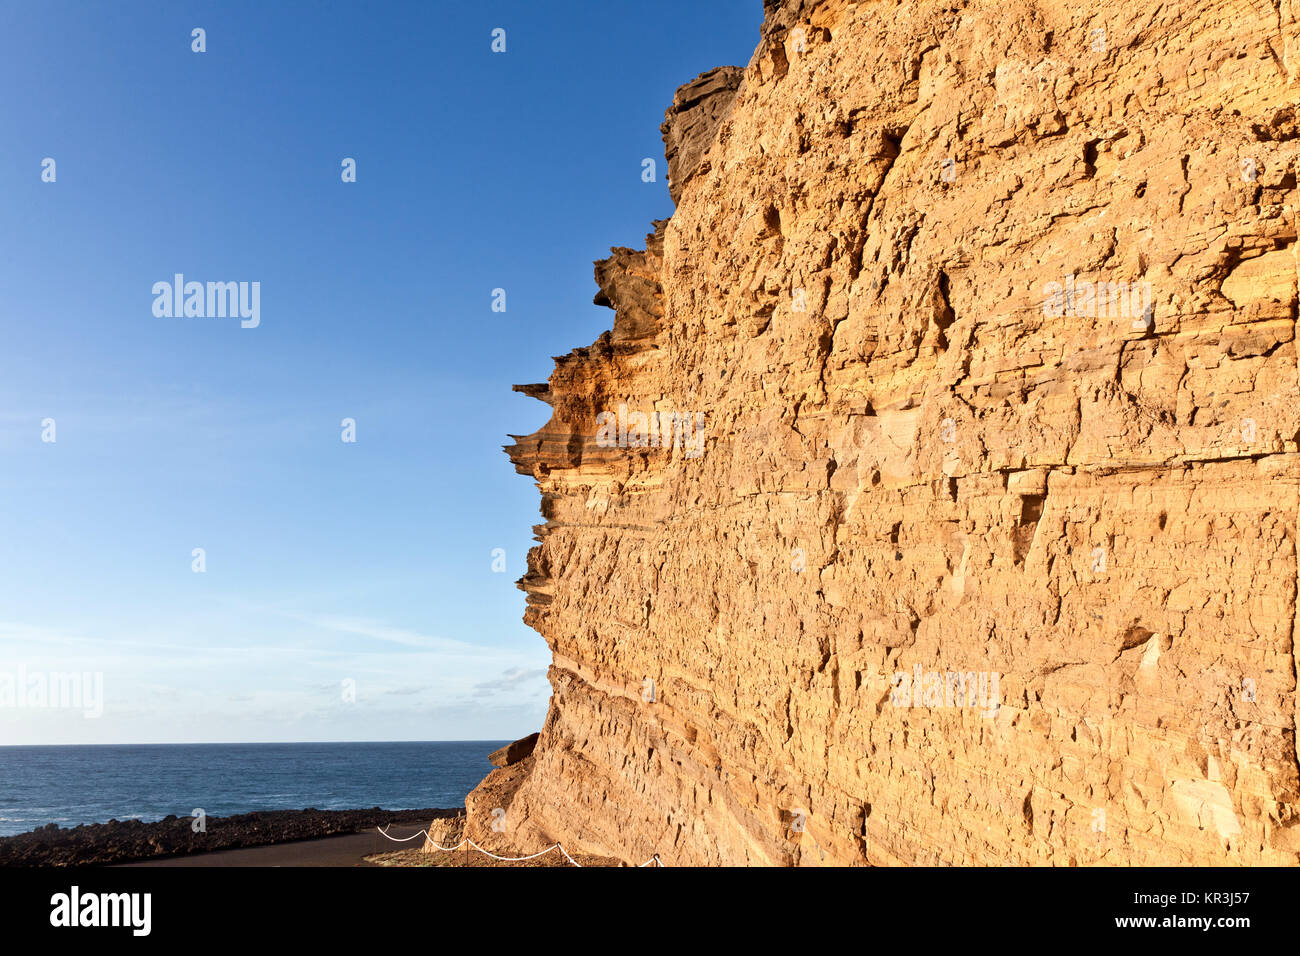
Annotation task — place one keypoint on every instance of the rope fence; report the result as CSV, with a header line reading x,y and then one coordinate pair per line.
x,y
653,861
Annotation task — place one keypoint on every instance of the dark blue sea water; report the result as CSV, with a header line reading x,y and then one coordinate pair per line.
x,y
71,785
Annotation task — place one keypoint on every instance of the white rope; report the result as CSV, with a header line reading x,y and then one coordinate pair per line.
x,y
567,857
447,849
506,859
517,859
401,839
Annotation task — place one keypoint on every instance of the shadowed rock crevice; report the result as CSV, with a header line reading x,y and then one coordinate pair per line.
x,y
691,123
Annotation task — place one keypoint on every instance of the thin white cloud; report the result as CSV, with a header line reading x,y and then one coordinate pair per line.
x,y
508,681
379,631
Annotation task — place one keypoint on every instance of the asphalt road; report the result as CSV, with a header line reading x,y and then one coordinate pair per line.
x,y
347,850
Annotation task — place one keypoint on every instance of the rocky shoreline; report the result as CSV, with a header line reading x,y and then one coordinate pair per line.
x,y
122,841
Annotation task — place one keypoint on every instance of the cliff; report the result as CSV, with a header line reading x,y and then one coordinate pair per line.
x,y
933,498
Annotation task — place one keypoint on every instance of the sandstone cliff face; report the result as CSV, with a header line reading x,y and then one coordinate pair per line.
x,y
990,318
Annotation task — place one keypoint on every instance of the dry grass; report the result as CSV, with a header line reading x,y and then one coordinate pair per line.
x,y
458,858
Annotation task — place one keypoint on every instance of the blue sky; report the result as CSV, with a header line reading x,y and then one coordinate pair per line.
x,y
326,561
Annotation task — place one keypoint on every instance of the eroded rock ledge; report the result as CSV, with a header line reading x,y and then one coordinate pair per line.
x,y
937,440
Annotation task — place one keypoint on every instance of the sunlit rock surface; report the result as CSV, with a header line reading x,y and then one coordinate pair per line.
x,y
989,311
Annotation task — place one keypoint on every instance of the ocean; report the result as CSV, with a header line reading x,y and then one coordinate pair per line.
x,y
95,784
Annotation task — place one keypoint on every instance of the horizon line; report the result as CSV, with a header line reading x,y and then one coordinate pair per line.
x,y
265,743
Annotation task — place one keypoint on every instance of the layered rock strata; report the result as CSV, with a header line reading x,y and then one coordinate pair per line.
x,y
982,320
